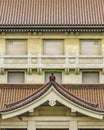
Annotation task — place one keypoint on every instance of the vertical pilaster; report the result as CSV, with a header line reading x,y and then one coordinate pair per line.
x,y
31,125
73,125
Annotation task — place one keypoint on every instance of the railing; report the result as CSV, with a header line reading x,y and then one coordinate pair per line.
x,y
51,61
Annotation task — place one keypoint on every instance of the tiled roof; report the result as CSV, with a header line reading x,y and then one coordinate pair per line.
x,y
51,12
92,93
10,93
88,96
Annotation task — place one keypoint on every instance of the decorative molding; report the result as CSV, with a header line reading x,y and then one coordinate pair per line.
x,y
77,33
73,112
72,33
3,33
77,71
39,71
52,102
29,33
66,33
29,71
102,71
49,29
67,71
2,71
32,110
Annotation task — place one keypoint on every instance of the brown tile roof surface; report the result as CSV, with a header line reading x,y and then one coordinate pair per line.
x,y
92,93
10,93
51,12
90,96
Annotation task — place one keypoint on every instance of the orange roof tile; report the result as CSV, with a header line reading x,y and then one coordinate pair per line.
x,y
51,12
10,93
88,96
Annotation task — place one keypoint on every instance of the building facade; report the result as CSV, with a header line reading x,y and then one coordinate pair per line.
x,y
41,37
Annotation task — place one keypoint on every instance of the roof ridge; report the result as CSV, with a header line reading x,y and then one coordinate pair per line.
x,y
19,85
84,86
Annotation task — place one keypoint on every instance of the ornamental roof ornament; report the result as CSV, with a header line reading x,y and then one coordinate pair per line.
x,y
52,77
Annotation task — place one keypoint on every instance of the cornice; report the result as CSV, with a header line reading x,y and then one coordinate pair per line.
x,y
51,29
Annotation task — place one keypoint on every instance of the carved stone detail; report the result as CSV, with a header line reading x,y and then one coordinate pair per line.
x,y
29,71
67,71
52,102
102,71
39,71
77,71
2,71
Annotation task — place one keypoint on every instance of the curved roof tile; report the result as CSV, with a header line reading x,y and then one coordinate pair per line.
x,y
51,12
63,91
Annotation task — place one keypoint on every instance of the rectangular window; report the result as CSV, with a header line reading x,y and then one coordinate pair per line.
x,y
90,77
16,47
58,76
89,47
15,77
52,47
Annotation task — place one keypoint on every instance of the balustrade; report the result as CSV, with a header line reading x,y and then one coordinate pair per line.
x,y
51,61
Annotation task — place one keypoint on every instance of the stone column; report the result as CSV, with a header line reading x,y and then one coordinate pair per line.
x,y
31,125
73,125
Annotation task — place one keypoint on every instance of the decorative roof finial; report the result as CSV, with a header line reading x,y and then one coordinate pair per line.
x,y
52,77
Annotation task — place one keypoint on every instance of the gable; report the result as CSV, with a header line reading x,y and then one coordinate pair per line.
x,y
52,96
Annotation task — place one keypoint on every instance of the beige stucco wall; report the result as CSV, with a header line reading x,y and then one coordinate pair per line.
x,y
72,78
47,117
34,78
2,45
35,41
35,45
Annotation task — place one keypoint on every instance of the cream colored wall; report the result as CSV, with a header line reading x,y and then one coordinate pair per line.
x,y
34,78
56,122
102,42
39,78
72,78
35,45
2,45
3,79
35,41
71,45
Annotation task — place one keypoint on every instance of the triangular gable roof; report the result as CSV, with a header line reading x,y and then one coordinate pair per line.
x,y
52,91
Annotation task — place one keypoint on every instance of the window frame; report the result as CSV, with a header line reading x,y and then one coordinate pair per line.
x,y
16,71
91,40
91,71
58,40
7,41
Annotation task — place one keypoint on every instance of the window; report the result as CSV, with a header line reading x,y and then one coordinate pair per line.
x,y
89,47
52,47
16,47
58,76
15,77
90,77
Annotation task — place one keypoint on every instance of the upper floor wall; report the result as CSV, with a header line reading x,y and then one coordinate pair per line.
x,y
52,50
35,41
